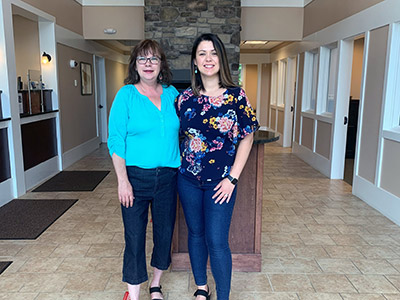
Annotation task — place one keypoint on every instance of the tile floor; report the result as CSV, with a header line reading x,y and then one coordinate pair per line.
x,y
319,242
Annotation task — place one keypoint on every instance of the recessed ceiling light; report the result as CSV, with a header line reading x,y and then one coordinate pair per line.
x,y
255,42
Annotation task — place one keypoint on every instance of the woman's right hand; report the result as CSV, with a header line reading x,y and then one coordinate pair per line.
x,y
125,193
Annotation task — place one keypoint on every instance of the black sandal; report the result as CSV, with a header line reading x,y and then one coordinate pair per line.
x,y
155,289
204,293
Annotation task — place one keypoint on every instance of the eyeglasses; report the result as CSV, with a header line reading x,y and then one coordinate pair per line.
x,y
154,60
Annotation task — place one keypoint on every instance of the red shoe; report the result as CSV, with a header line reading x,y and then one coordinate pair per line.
x,y
126,296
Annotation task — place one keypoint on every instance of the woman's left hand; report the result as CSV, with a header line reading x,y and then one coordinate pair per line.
x,y
224,191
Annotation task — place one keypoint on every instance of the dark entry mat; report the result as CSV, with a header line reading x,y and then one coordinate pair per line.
x,y
73,181
4,265
27,219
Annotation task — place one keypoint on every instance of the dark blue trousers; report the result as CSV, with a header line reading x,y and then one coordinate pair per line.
x,y
155,188
208,226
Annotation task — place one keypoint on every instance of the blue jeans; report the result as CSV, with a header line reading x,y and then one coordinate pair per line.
x,y
156,188
208,226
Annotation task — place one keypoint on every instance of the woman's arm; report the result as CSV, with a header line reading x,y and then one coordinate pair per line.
x,y
125,192
225,186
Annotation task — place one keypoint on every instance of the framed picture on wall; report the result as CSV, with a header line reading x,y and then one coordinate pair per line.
x,y
86,79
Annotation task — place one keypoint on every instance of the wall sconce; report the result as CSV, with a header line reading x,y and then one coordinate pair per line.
x,y
73,64
46,58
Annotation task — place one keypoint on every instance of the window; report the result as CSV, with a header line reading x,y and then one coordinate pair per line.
x,y
240,75
327,78
274,83
391,120
310,80
282,83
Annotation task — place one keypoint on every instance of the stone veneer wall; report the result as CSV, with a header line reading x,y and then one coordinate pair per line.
x,y
175,24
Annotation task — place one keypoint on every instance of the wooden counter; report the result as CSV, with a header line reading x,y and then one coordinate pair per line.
x,y
245,231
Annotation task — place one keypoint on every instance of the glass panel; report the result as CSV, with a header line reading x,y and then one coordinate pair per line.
x,y
314,81
330,101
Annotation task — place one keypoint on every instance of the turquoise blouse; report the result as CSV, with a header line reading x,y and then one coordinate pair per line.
x,y
139,132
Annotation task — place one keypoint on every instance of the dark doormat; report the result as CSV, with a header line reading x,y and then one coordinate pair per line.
x,y
22,219
73,181
4,265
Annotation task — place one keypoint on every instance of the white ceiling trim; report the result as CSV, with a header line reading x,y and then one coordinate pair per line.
x,y
275,3
111,2
244,3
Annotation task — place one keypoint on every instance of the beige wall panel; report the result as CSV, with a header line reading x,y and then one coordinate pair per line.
x,y
115,75
322,13
307,133
323,140
77,112
391,167
265,94
281,120
299,98
272,23
356,74
372,103
251,84
68,13
273,119
127,20
27,49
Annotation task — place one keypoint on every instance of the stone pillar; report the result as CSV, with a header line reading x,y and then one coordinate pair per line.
x,y
175,24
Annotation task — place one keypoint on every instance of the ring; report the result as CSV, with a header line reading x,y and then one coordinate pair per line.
x,y
226,195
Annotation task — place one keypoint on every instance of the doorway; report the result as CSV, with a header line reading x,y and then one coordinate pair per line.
x,y
354,102
101,101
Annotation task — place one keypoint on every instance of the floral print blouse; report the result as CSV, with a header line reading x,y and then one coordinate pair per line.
x,y
212,128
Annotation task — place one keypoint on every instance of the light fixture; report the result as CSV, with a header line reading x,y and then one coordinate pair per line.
x,y
46,58
110,31
255,42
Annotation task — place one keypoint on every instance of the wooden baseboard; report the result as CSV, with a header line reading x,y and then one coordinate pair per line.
x,y
240,262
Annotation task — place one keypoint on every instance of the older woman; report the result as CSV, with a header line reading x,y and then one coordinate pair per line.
x,y
143,144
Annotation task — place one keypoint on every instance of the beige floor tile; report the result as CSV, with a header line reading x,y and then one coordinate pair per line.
x,y
319,296
78,265
322,229
36,282
70,250
362,297
272,266
343,252
372,284
290,283
337,266
263,296
316,239
332,284
10,249
40,265
284,239
105,250
348,240
87,282
97,238
37,250
377,252
392,296
309,251
18,296
275,251
57,237
251,282
395,280
375,266
300,266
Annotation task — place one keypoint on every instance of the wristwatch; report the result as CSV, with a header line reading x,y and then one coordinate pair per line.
x,y
233,180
